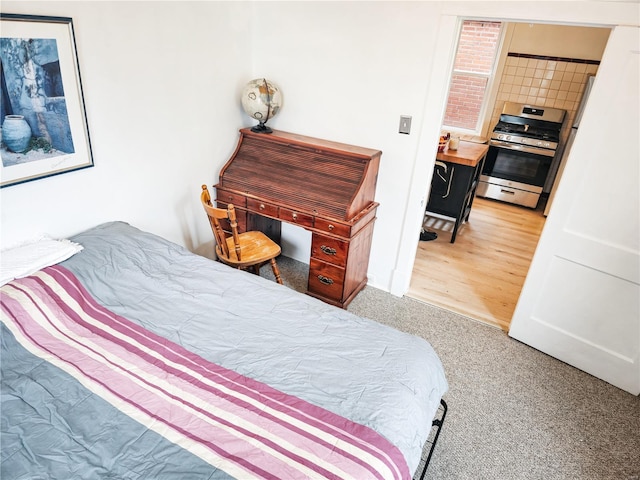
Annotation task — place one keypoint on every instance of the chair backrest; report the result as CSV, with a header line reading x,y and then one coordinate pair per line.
x,y
217,214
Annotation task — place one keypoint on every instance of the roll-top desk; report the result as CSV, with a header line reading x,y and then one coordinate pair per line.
x,y
325,187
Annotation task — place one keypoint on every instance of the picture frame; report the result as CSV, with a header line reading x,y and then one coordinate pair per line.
x,y
42,93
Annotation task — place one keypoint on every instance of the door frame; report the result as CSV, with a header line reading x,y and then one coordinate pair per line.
x,y
607,14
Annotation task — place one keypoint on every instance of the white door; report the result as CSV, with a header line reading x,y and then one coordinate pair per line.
x,y
581,300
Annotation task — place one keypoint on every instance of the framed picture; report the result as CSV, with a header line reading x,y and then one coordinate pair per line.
x,y
43,117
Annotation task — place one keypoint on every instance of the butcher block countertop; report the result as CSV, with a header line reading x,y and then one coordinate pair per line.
x,y
468,153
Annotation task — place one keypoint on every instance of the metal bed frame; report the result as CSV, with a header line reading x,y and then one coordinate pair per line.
x,y
431,444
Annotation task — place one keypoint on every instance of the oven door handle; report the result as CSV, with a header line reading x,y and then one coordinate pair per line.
x,y
522,148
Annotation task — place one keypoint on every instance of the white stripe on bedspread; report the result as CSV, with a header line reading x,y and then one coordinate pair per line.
x,y
236,424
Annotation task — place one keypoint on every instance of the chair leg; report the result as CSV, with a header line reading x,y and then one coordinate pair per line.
x,y
276,271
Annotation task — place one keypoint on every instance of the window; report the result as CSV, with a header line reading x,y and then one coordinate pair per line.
x,y
472,70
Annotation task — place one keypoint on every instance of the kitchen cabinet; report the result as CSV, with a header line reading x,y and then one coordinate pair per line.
x,y
454,182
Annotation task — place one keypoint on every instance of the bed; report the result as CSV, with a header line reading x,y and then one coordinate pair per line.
x,y
135,358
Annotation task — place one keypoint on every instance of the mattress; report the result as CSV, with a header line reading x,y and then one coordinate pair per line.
x,y
365,392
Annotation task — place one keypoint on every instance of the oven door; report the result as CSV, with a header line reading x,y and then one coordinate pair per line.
x,y
518,163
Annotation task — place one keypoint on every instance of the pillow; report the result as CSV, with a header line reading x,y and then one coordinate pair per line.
x,y
27,258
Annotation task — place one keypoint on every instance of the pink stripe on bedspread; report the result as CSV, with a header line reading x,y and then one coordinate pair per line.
x,y
237,424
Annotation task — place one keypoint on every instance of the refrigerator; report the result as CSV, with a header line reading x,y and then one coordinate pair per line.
x,y
567,147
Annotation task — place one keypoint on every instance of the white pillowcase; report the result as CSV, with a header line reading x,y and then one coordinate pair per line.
x,y
27,258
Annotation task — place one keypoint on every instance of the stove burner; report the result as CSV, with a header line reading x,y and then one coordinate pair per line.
x,y
528,125
525,130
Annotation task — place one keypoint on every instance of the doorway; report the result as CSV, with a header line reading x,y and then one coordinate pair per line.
x,y
482,273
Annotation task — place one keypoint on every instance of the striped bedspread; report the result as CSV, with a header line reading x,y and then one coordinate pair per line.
x,y
234,423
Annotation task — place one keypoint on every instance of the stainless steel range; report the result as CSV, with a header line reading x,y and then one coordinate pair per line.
x,y
522,150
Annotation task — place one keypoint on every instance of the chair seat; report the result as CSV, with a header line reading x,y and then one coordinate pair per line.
x,y
255,247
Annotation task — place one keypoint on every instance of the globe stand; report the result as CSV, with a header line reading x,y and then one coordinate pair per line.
x,y
261,128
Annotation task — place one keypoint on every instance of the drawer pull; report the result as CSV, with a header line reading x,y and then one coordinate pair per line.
x,y
508,192
295,217
331,227
328,250
261,207
325,280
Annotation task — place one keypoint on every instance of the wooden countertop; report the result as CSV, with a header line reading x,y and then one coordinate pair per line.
x,y
468,153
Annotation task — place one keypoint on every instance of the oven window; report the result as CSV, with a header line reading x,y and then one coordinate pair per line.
x,y
522,167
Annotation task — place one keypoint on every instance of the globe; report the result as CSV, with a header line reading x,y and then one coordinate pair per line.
x,y
261,99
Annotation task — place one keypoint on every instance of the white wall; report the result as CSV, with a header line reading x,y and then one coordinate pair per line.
x,y
348,70
161,82
161,86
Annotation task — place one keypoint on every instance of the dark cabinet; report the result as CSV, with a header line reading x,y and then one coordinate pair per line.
x,y
454,182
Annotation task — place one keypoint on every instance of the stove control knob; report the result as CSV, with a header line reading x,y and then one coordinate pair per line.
x,y
507,137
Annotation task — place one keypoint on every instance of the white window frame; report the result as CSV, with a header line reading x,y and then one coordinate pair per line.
x,y
490,94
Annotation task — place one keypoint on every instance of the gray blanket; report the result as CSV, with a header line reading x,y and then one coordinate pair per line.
x,y
367,372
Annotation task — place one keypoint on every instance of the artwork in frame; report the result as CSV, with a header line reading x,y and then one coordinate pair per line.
x,y
43,117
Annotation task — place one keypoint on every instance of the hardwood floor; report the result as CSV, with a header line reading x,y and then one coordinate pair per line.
x,y
482,273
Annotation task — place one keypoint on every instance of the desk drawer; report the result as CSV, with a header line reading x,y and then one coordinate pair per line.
x,y
226,196
333,227
326,280
329,249
298,218
263,208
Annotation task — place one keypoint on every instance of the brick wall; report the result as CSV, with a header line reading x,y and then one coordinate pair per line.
x,y
476,53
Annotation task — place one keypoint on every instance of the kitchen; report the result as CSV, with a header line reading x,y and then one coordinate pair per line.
x,y
480,274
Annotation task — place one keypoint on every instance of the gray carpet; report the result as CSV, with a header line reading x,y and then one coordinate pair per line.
x,y
514,412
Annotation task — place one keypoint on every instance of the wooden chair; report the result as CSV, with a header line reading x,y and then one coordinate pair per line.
x,y
248,250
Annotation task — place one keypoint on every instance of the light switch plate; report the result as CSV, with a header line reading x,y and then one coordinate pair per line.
x,y
405,124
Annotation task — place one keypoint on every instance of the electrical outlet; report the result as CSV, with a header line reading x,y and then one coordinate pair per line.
x,y
405,124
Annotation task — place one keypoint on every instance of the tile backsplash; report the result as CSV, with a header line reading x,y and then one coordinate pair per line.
x,y
544,81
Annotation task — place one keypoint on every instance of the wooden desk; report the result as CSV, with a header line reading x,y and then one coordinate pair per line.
x,y
453,186
325,187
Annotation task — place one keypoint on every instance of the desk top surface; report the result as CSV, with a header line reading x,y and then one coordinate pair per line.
x,y
468,153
